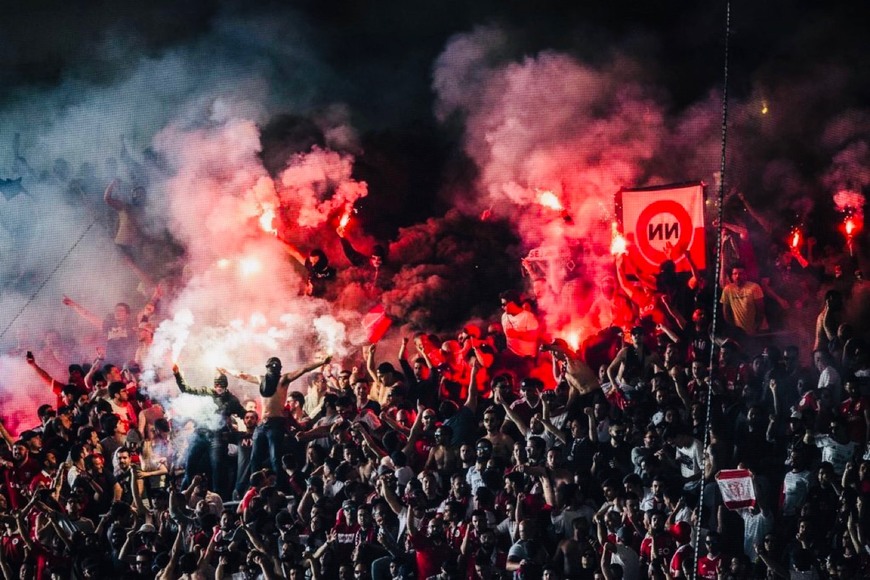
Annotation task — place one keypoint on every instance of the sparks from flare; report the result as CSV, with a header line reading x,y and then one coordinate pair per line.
x,y
849,226
796,238
618,243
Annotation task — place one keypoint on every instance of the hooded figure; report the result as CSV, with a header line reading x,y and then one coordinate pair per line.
x,y
269,382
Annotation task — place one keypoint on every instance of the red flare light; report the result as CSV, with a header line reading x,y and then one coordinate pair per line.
x,y
572,337
345,219
796,238
549,200
850,226
267,220
618,243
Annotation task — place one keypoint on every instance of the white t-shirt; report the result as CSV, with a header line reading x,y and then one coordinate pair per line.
x,y
690,459
523,321
794,490
838,454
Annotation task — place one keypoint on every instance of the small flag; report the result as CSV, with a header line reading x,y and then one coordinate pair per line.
x,y
737,487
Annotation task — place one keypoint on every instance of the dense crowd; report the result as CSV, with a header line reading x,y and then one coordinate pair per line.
x,y
498,451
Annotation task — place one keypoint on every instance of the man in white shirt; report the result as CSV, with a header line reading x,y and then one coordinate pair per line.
x,y
520,326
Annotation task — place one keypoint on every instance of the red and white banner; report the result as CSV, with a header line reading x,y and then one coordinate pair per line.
x,y
376,323
659,222
737,487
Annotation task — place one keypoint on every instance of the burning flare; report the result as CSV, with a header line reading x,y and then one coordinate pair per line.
x,y
249,266
618,243
849,226
796,238
548,199
267,220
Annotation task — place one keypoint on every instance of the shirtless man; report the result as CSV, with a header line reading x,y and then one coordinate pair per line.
x,y
502,444
443,458
567,556
269,434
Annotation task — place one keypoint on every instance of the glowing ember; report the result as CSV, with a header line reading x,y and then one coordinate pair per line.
x,y
849,224
345,219
549,199
572,337
267,220
764,108
796,239
249,266
618,243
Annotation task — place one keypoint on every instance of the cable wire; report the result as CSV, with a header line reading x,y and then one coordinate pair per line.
x,y
47,278
718,269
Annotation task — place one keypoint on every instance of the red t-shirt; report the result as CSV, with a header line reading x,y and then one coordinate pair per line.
x,y
709,567
681,556
666,545
853,411
429,555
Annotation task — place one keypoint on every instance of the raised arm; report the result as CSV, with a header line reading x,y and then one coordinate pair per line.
x,y
89,378
623,281
766,224
369,352
7,437
294,252
253,379
352,254
95,320
512,415
111,201
168,572
471,399
46,378
288,378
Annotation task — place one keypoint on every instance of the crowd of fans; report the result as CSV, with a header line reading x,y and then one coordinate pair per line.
x,y
496,452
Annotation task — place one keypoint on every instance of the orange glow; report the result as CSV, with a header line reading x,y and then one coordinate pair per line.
x,y
249,266
267,220
572,337
796,239
618,244
345,219
850,226
549,200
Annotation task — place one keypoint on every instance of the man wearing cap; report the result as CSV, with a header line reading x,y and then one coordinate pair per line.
x,y
343,534
623,554
681,561
217,439
33,440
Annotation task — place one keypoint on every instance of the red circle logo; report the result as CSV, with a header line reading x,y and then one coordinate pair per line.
x,y
662,223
